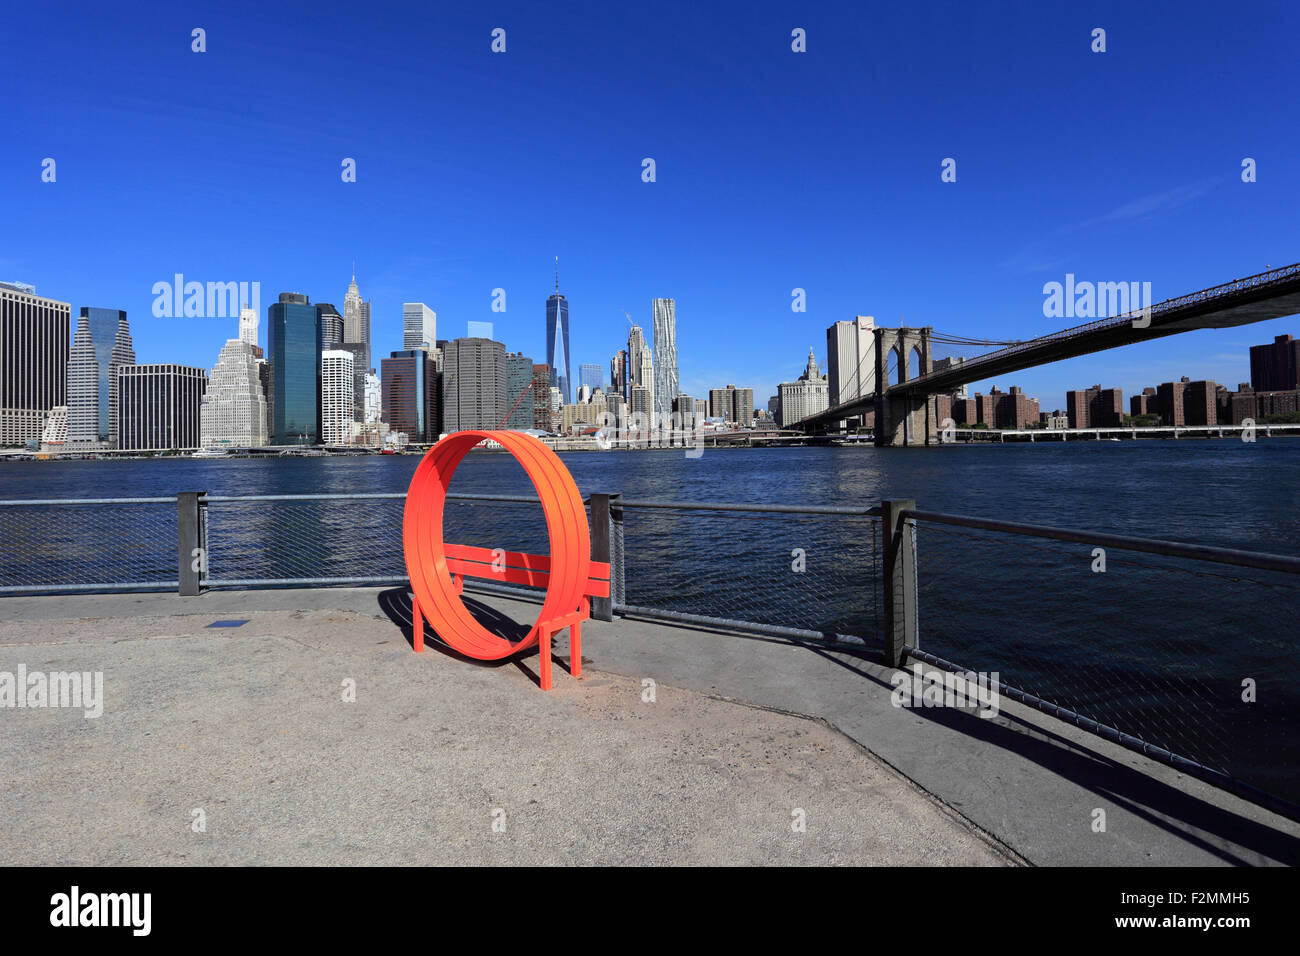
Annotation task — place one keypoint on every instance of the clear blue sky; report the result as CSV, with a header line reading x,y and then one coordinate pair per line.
x,y
775,170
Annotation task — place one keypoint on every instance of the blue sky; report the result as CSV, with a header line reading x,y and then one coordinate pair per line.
x,y
775,169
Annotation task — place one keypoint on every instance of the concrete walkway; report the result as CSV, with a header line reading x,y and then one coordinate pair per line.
x,y
236,746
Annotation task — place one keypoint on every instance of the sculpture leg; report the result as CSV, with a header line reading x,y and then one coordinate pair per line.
x,y
544,649
575,649
417,625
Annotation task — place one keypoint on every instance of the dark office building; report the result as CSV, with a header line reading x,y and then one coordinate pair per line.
x,y
158,407
409,392
1275,367
294,345
473,385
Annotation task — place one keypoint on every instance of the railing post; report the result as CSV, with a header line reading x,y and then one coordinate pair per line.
x,y
602,608
900,579
190,556
617,583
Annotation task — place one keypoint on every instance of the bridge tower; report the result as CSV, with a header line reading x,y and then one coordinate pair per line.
x,y
904,419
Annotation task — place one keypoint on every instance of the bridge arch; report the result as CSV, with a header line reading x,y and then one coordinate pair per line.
x,y
904,419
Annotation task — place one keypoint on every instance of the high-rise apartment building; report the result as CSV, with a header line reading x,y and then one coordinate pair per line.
x,y
665,347
159,407
1275,367
851,360
1095,407
409,394
473,385
34,349
102,343
1200,403
293,340
233,411
419,326
557,339
1169,401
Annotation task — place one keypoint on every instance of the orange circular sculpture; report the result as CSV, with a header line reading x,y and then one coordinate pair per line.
x,y
436,595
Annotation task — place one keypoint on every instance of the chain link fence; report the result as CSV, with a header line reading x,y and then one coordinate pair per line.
x,y
1193,657
88,544
808,569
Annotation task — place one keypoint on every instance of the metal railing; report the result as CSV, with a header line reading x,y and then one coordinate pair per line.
x,y
1182,652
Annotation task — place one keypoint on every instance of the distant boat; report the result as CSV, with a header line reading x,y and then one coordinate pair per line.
x,y
387,451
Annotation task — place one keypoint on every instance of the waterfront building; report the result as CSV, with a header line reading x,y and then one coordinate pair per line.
x,y
293,343
1275,367
1144,404
520,391
1169,401
374,399
665,347
410,398
54,434
646,375
102,343
557,339
640,362
359,372
338,400
592,376
34,354
356,322
419,326
986,408
808,395
331,326
965,412
851,360
473,385
1095,407
1016,410
1200,403
160,407
233,410
541,398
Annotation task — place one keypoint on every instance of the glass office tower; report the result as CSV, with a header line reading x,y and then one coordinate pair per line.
x,y
557,341
294,340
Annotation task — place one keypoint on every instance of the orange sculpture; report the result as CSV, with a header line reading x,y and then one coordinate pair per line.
x,y
438,570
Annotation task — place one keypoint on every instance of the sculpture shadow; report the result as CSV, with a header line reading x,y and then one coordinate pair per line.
x,y
396,605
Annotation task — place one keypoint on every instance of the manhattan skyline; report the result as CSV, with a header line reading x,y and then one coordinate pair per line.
x,y
198,163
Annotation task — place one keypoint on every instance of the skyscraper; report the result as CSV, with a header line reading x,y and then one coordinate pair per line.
x,y
409,394
293,339
331,326
419,326
808,395
233,412
519,391
248,329
851,360
593,376
473,385
618,372
34,334
159,407
557,338
337,397
1275,367
101,344
665,347
356,322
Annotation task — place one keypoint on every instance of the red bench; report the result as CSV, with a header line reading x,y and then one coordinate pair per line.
x,y
514,567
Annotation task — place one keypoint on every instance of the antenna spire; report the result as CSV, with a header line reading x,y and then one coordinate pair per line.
x,y
557,275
